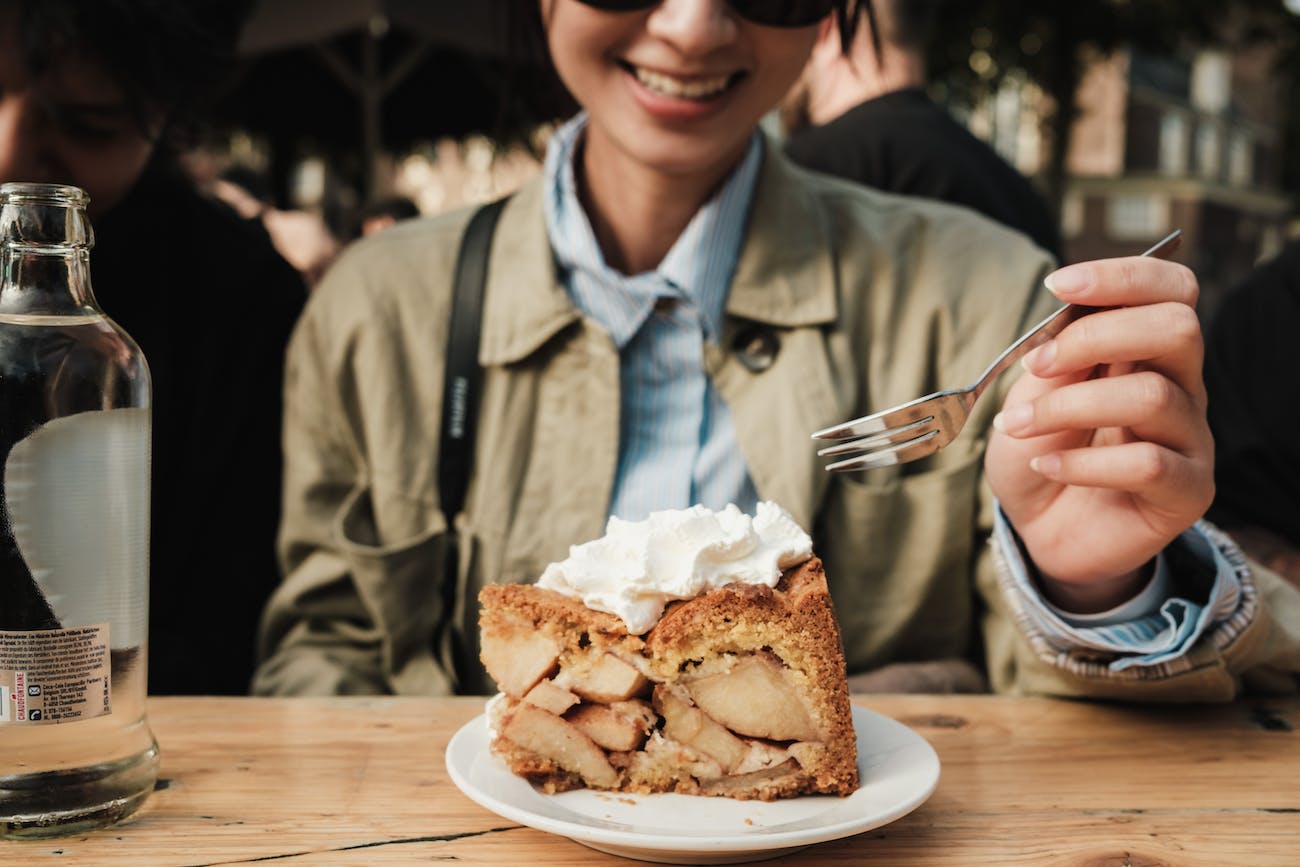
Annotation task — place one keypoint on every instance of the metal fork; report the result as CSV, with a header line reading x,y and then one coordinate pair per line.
x,y
921,427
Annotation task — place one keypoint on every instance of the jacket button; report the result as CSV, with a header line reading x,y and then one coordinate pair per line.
x,y
756,347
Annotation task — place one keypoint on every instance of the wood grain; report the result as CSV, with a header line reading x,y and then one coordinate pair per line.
x,y
360,781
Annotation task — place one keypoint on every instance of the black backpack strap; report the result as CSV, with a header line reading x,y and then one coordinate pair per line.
x,y
463,376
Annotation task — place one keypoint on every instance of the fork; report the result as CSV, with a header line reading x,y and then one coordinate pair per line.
x,y
921,427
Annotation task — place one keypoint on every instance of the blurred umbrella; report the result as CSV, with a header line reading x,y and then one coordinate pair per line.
x,y
369,74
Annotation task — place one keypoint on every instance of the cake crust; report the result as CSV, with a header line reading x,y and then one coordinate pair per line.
x,y
740,692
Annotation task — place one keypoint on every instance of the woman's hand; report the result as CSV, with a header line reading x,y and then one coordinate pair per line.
x,y
1102,453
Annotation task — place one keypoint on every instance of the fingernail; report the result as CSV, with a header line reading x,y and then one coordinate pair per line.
x,y
1069,280
1014,419
1040,358
1046,465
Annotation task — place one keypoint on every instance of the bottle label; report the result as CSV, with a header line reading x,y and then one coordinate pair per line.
x,y
54,675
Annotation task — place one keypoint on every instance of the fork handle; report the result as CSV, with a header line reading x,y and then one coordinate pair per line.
x,y
1032,339
1055,324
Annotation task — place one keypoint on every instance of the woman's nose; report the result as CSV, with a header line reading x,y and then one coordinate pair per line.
x,y
695,27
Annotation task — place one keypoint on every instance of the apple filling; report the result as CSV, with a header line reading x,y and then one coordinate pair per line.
x,y
604,718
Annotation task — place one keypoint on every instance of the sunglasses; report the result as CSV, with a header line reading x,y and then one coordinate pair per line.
x,y
771,13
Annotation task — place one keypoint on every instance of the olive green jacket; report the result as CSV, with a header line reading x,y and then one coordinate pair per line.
x,y
844,301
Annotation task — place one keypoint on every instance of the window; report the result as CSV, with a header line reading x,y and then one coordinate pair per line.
x,y
1208,151
1211,85
1006,121
1137,216
1173,143
1241,159
1072,214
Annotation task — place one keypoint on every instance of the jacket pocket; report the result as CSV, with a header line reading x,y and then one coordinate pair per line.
x,y
900,554
404,583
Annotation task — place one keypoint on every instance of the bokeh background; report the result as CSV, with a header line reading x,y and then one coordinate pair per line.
x,y
1133,118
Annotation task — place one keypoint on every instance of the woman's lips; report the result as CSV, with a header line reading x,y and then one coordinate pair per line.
x,y
675,97
696,88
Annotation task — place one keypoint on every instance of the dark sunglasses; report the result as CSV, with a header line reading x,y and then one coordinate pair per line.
x,y
771,13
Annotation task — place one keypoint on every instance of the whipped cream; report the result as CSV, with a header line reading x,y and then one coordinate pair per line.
x,y
638,567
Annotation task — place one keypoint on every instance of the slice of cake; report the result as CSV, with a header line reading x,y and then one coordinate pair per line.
x,y
695,652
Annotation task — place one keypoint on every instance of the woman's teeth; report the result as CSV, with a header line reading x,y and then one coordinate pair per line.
x,y
699,88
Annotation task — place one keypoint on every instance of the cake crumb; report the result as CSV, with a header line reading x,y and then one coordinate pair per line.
x,y
627,801
749,822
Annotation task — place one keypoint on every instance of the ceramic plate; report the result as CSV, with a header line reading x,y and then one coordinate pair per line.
x,y
899,770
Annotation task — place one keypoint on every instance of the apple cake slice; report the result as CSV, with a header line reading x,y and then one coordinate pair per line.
x,y
739,691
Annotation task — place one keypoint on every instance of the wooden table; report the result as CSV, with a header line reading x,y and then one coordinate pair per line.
x,y
1025,781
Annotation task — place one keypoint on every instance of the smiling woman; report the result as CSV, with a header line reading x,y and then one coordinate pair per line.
x,y
669,311
673,92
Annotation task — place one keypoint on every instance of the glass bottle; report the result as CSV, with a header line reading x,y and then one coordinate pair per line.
x,y
76,751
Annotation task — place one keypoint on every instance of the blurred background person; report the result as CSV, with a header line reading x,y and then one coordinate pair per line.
x,y
863,114
380,215
1251,357
102,94
301,237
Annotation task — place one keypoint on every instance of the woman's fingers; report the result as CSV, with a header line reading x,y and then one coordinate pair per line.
x,y
1126,282
1170,481
1147,403
1164,336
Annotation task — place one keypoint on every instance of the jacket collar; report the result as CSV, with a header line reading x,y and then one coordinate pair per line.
x,y
525,305
785,275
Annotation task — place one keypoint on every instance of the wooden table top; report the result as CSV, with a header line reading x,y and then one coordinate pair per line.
x,y
361,781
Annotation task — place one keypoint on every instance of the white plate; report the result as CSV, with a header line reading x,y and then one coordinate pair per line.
x,y
899,770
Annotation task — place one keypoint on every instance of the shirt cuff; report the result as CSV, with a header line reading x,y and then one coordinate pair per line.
x,y
1194,587
1146,603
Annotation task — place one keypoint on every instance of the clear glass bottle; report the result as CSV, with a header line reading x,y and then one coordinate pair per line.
x,y
76,751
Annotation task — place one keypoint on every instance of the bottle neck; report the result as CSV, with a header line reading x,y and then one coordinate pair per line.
x,y
43,282
45,246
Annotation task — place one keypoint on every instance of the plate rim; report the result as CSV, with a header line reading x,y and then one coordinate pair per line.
x,y
745,842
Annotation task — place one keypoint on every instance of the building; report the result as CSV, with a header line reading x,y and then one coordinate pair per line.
x,y
1161,144
1194,146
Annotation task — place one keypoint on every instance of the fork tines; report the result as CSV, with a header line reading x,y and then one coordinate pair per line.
x,y
905,432
894,418
899,453
893,436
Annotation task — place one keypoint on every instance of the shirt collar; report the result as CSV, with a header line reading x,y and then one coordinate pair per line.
x,y
699,266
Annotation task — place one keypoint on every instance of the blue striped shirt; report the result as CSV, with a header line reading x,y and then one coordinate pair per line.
x,y
677,444
678,447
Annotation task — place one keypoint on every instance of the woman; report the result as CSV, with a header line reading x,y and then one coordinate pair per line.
x,y
763,302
